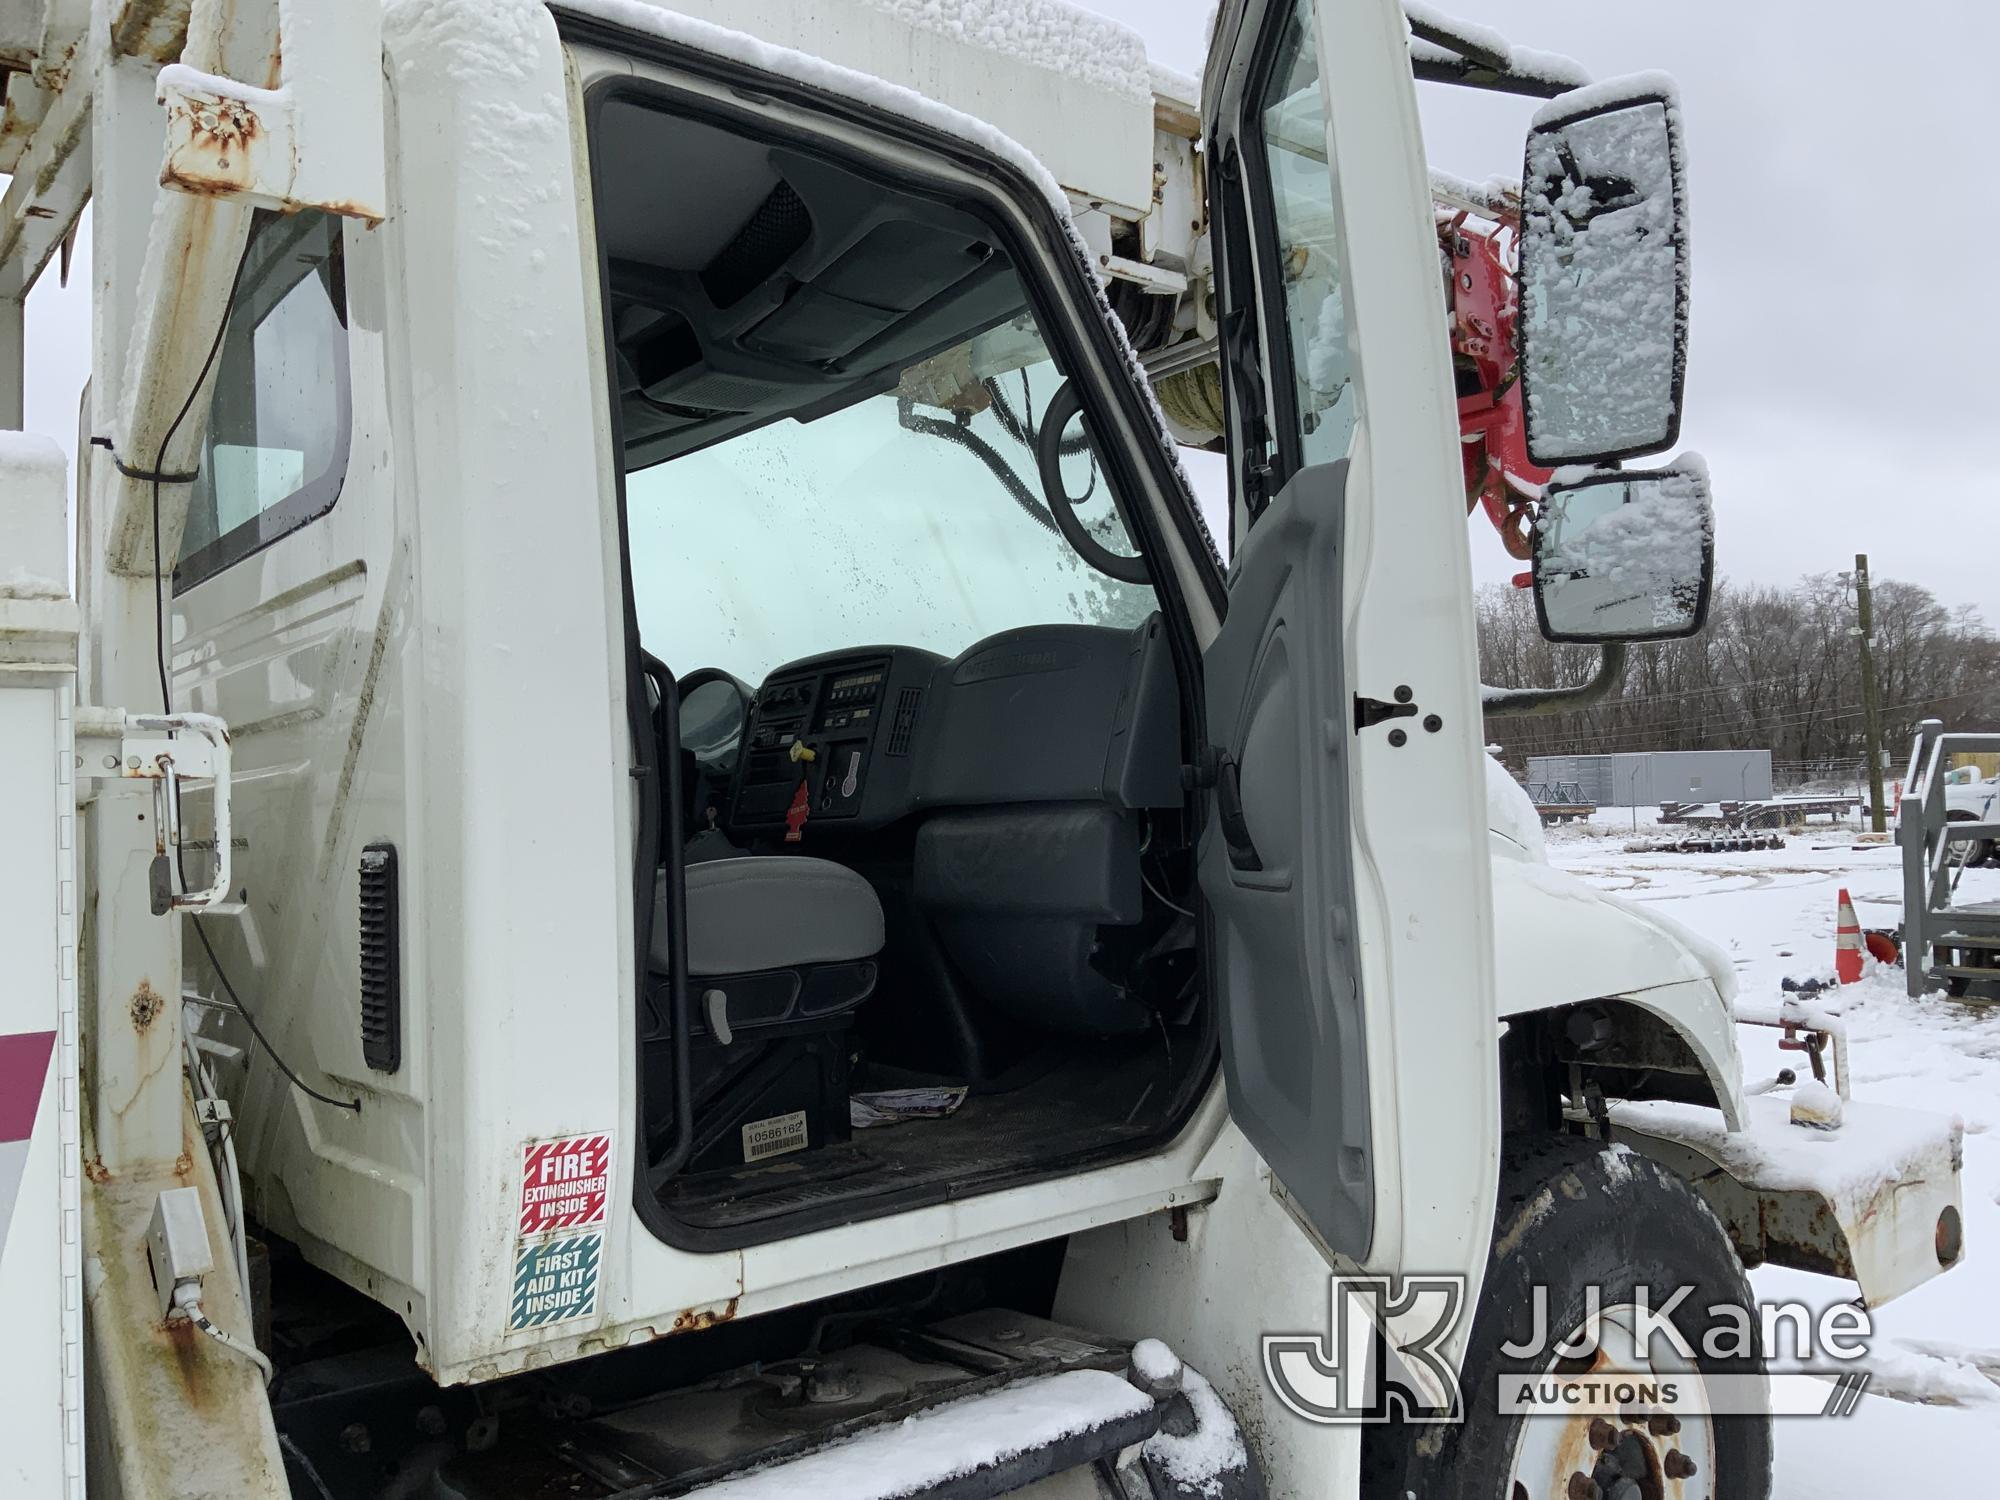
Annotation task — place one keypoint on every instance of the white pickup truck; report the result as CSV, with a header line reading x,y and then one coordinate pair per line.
x,y
1969,799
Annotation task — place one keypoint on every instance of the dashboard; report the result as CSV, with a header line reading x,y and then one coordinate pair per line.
x,y
1049,713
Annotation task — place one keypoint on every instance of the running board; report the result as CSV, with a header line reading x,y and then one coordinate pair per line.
x,y
967,1408
1874,1199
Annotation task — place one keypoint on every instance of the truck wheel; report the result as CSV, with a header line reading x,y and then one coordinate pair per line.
x,y
1574,1215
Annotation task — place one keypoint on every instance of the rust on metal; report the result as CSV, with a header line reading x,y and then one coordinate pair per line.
x,y
693,1319
347,208
212,136
186,1342
145,1007
154,29
1801,1230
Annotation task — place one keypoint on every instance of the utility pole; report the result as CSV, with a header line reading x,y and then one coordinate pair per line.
x,y
1864,607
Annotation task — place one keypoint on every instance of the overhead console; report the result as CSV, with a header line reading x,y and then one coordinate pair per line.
x,y
1045,714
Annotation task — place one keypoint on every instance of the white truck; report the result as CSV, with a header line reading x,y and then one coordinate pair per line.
x,y
1971,798
672,864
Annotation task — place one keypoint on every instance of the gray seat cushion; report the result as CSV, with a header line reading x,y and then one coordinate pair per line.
x,y
771,911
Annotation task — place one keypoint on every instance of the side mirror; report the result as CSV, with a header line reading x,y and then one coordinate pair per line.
x,y
1604,274
1626,557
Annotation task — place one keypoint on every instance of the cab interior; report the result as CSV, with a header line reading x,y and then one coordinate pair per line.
x,y
917,884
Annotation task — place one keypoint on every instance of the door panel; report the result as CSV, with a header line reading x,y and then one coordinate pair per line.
x,y
1354,954
1293,1058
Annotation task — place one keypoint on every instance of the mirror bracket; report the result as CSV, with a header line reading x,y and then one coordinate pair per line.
x,y
1535,702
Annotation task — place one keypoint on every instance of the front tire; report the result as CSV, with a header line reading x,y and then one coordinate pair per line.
x,y
1571,1215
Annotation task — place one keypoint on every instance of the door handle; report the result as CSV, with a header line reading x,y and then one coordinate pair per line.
x,y
1229,812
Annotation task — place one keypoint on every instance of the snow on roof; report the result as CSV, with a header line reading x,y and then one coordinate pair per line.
x,y
1174,84
1047,33
26,453
34,522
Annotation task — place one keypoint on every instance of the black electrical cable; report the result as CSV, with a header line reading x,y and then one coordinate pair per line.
x,y
159,462
258,1032
972,442
1021,428
166,691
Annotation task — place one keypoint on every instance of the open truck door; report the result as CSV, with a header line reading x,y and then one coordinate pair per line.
x,y
1345,862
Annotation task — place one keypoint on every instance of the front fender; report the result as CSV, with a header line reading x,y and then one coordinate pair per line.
x,y
1558,942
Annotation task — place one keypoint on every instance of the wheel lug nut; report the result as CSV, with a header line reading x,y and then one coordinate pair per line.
x,y
1678,1465
1602,1435
1582,1487
1664,1424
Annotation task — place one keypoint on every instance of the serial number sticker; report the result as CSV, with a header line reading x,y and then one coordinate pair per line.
x,y
555,1280
565,1183
775,1136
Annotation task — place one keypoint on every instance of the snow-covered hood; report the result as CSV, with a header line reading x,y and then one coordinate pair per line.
x,y
1558,941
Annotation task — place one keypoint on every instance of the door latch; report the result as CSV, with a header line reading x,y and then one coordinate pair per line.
x,y
1368,712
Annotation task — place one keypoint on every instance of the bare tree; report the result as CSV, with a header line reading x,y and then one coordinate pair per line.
x,y
1776,669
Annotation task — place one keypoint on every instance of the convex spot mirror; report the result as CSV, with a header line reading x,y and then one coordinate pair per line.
x,y
1604,273
714,709
1626,556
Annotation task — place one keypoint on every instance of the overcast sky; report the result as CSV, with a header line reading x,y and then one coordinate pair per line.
x,y
1846,246
1846,243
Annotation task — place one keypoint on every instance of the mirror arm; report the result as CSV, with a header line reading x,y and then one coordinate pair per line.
x,y
1522,702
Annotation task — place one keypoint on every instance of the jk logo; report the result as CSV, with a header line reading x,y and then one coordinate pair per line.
x,y
1380,1356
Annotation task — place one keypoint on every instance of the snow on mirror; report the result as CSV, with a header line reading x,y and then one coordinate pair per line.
x,y
1626,557
1604,273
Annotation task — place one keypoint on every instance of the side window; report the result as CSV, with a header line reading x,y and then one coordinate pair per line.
x,y
1291,116
276,449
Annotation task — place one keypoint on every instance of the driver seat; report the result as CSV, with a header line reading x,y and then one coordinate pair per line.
x,y
773,938
764,911
781,950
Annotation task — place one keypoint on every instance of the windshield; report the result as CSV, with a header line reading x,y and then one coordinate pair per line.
x,y
911,517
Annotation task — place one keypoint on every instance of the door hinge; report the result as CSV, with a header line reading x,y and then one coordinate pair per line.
x,y
1202,773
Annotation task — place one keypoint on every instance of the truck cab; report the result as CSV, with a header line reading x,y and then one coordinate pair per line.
x,y
755,823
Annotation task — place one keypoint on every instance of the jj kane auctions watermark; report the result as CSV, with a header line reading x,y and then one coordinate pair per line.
x,y
1383,1355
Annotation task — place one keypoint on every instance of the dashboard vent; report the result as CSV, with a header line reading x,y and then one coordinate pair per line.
x,y
381,961
903,727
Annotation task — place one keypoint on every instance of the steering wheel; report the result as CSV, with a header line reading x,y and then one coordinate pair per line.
x,y
1062,407
714,711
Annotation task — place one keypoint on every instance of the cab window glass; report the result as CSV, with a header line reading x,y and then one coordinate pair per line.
x,y
276,446
1292,119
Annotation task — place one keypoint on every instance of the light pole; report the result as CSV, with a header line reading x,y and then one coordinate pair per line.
x,y
1865,632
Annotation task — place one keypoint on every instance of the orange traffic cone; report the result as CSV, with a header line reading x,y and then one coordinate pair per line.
x,y
1847,942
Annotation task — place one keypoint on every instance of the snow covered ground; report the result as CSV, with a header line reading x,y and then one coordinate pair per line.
x,y
1939,1346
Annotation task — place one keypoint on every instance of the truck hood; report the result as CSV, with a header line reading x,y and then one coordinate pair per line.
x,y
1558,941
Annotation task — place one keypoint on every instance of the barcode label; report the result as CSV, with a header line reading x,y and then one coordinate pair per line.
x,y
775,1136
